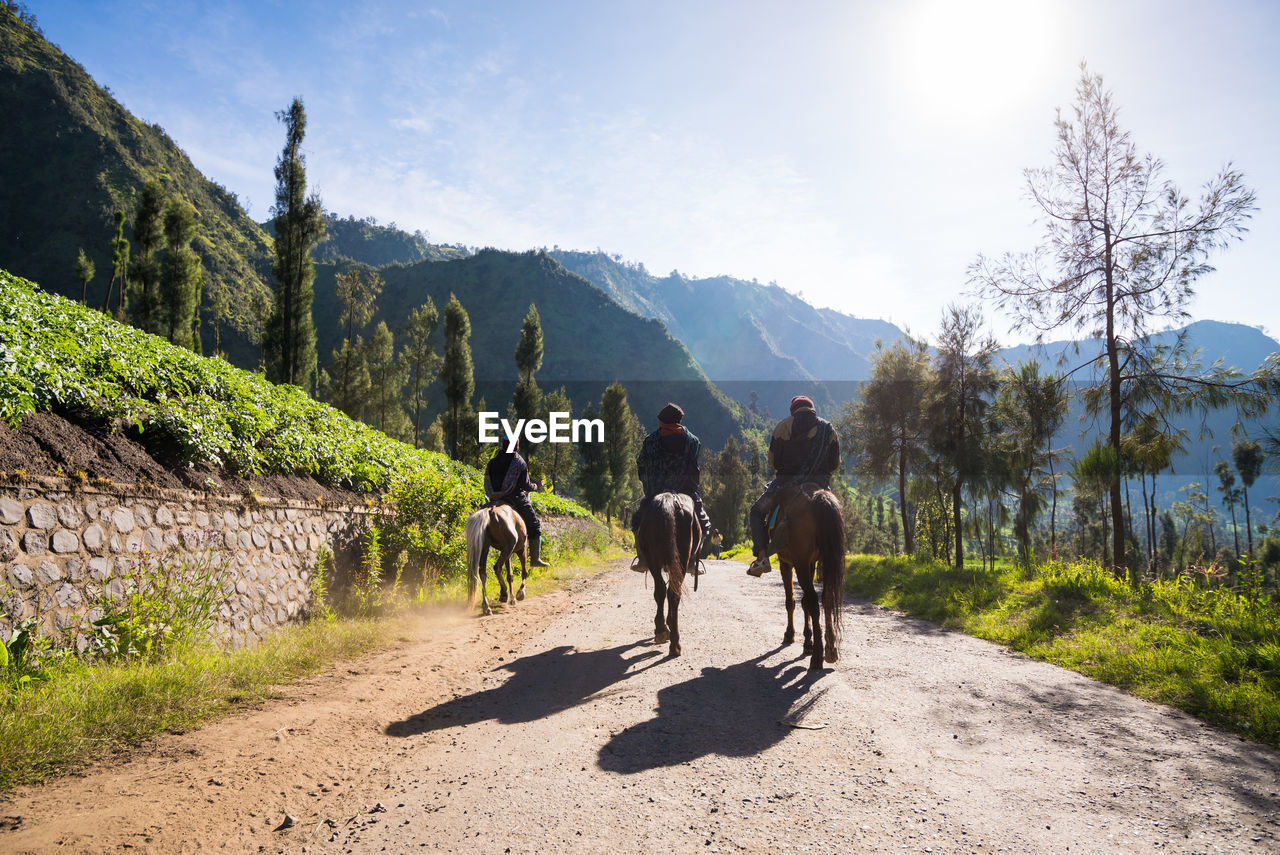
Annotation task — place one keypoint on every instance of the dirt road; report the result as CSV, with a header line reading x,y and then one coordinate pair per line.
x,y
559,727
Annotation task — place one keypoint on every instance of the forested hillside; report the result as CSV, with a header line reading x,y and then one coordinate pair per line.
x,y
73,155
590,341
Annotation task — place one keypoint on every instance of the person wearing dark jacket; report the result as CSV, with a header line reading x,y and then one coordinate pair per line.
x,y
506,479
668,463
803,449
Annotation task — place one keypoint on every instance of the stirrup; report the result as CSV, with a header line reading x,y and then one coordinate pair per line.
x,y
760,566
638,565
697,568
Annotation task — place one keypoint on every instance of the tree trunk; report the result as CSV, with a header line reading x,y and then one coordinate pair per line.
x,y
908,535
956,504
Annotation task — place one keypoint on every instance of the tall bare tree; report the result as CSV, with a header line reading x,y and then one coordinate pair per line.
x,y
1122,248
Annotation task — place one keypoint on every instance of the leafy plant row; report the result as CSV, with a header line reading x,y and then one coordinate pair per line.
x,y
55,353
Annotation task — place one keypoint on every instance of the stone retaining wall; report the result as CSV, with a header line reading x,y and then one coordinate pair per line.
x,y
64,553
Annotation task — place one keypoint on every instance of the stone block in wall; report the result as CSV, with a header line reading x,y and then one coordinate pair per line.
x,y
35,543
69,515
20,576
64,541
122,518
164,516
42,516
11,512
94,538
142,515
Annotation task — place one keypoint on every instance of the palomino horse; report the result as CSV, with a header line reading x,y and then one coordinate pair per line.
x,y
498,526
667,539
814,535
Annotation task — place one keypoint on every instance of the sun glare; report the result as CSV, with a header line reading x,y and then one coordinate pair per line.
x,y
970,62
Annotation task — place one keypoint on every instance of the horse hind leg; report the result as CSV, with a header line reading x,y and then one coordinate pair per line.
x,y
524,570
660,631
485,608
831,652
502,569
673,622
812,620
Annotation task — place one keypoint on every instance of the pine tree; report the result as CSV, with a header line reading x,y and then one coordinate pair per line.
x,y
457,372
289,341
621,435
386,384
559,462
119,266
144,270
348,387
594,479
177,311
84,272
527,401
421,359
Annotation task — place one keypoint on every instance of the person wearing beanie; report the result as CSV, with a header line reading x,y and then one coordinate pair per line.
x,y
668,463
803,449
506,479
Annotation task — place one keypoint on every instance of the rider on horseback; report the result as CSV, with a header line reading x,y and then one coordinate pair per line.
x,y
506,479
803,449
668,463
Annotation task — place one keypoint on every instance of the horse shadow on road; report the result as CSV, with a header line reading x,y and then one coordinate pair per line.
x,y
734,712
540,685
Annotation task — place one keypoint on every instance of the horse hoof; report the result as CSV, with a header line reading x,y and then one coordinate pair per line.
x,y
520,594
831,654
789,638
486,610
674,651
815,665
660,637
503,598
808,647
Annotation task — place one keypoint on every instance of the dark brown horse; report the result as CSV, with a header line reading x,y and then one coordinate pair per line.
x,y
500,527
667,539
814,537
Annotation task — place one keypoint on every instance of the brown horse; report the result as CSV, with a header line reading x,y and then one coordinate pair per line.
x,y
500,527
667,539
814,536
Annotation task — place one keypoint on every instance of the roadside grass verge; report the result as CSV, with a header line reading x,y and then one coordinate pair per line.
x,y
1208,651
90,710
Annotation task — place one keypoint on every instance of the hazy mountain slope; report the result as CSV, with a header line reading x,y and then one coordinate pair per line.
x,y
70,155
746,336
589,340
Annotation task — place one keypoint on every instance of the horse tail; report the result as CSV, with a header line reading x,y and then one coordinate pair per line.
x,y
830,537
475,534
657,534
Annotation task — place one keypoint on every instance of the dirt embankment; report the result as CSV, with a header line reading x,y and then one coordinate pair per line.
x,y
61,446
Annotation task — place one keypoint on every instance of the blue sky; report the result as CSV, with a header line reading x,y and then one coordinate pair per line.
x,y
859,153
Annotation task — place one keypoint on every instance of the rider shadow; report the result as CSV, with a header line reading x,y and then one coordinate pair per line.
x,y
540,685
734,712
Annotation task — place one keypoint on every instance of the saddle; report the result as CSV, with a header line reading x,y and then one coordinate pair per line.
x,y
776,521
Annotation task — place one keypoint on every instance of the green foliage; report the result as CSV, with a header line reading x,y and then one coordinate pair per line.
x,y
319,606
56,353
457,371
163,601
75,156
289,340
365,242
84,272
1207,650
421,360
24,656
180,278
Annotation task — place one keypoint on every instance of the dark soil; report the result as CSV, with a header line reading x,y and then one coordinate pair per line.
x,y
62,445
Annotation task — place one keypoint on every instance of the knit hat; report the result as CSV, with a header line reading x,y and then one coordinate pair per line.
x,y
800,402
671,414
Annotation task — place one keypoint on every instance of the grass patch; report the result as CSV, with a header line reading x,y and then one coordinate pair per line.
x,y
1207,651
